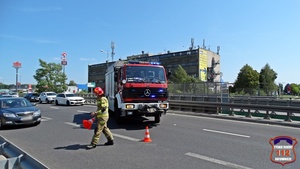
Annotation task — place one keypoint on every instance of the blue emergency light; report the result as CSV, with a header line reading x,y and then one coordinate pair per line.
x,y
155,63
143,62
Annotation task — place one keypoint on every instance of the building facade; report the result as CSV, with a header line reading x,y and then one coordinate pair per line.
x,y
199,63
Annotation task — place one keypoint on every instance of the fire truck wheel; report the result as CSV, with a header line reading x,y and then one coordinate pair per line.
x,y
117,116
157,118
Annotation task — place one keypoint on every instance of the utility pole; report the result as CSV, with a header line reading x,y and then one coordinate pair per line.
x,y
112,50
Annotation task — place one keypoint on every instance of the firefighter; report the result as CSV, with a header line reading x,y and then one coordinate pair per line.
x,y
102,118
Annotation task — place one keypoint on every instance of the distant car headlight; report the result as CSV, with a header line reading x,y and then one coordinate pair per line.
x,y
37,113
9,115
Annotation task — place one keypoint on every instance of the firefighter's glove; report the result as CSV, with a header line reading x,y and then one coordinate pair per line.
x,y
103,109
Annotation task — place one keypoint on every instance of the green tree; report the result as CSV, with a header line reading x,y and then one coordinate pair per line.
x,y
267,77
72,83
295,90
3,86
184,82
247,80
50,77
180,76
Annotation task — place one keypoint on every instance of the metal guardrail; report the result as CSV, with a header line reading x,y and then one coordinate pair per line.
x,y
217,104
218,107
12,157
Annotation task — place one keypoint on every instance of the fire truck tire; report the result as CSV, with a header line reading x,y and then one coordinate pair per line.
x,y
119,119
157,118
117,115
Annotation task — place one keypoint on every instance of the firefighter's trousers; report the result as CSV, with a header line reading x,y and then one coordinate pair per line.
x,y
101,127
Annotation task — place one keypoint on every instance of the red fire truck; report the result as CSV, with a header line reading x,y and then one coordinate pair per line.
x,y
137,88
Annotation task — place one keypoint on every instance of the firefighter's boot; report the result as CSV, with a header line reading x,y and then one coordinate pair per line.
x,y
90,146
109,143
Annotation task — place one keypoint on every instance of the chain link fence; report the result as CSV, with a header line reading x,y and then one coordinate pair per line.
x,y
200,88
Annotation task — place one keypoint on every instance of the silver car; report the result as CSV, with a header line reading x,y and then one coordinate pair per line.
x,y
47,97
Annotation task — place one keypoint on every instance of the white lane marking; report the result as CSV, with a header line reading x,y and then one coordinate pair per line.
x,y
54,107
222,132
73,124
126,137
233,121
82,111
89,105
114,134
46,118
228,164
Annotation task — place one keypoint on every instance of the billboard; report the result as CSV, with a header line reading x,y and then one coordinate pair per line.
x,y
202,65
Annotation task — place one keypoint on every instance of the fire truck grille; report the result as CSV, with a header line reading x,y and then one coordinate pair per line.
x,y
145,93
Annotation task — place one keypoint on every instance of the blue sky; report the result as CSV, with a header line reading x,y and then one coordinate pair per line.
x,y
249,32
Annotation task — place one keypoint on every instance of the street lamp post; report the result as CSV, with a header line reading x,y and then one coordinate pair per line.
x,y
107,58
221,86
17,65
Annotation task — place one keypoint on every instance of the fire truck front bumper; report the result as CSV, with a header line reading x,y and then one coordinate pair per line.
x,y
146,109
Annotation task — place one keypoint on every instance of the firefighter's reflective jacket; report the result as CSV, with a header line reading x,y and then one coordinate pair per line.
x,y
102,102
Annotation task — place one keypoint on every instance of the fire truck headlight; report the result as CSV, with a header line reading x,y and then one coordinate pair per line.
x,y
123,81
129,106
163,106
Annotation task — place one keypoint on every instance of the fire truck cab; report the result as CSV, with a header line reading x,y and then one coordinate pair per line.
x,y
137,88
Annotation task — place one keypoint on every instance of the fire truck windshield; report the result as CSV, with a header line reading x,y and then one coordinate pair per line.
x,y
145,74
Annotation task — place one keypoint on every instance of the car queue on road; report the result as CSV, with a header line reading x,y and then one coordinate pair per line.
x,y
65,98
16,111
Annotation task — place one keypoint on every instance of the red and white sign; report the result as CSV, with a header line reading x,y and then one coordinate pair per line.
x,y
17,64
64,56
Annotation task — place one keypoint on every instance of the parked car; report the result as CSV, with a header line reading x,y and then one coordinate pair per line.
x,y
68,99
9,94
33,97
18,111
47,97
6,95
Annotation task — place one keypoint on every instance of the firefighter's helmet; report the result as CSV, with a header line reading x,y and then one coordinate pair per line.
x,y
98,91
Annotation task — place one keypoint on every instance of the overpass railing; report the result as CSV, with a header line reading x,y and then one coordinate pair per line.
x,y
214,104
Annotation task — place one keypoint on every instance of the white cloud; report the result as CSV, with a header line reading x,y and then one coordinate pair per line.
x,y
87,59
26,39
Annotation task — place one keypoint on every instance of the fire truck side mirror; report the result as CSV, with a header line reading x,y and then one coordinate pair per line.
x,y
169,73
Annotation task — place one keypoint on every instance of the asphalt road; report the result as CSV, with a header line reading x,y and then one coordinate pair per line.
x,y
179,141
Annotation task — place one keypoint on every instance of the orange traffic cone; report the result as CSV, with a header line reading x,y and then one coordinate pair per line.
x,y
88,123
147,135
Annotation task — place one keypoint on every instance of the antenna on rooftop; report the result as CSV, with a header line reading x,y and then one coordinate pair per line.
x,y
112,50
192,44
